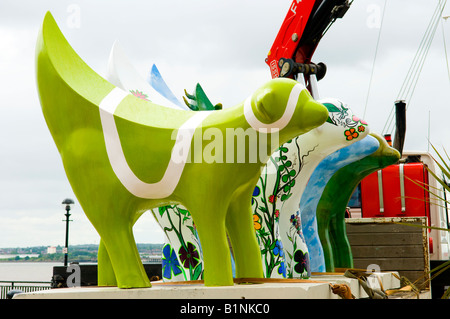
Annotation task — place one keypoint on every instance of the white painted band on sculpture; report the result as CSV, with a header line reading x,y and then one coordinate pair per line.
x,y
282,121
130,181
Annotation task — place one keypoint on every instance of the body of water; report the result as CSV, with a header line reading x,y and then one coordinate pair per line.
x,y
24,271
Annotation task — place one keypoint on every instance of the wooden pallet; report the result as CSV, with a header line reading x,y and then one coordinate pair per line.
x,y
390,245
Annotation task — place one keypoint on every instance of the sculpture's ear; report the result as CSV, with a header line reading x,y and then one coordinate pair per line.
x,y
263,106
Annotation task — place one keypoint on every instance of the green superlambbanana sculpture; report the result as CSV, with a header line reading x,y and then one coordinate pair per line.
x,y
335,197
124,155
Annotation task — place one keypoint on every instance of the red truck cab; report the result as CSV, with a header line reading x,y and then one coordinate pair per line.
x,y
406,190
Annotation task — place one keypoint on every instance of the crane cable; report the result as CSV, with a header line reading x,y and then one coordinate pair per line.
x,y
374,59
409,84
415,69
445,45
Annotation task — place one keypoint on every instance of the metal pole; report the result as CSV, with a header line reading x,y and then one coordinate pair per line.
x,y
67,202
67,234
400,125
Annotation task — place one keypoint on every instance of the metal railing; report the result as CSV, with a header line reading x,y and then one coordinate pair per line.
x,y
23,286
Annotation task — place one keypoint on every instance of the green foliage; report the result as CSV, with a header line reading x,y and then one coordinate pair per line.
x,y
444,165
445,168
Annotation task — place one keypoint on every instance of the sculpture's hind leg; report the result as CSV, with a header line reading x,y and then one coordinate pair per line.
x,y
324,235
125,260
342,251
241,231
106,275
118,254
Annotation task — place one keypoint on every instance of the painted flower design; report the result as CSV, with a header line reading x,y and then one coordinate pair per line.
x,y
302,262
272,199
139,94
282,269
189,257
350,134
293,220
357,119
256,222
296,222
277,214
256,192
278,249
361,128
170,262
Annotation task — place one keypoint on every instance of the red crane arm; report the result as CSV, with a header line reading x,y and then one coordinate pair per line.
x,y
289,35
304,25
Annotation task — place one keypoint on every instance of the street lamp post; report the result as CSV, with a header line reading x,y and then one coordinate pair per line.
x,y
67,202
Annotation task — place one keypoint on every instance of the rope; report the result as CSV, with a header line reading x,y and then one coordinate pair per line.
x,y
409,84
374,60
445,46
373,293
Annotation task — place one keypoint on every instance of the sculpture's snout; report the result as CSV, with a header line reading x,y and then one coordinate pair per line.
x,y
314,114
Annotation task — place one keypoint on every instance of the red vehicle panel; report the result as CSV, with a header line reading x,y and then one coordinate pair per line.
x,y
400,196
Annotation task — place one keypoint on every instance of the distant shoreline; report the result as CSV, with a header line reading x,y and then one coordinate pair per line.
x,y
82,252
34,261
76,253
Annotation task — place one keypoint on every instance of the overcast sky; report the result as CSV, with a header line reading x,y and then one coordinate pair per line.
x,y
220,44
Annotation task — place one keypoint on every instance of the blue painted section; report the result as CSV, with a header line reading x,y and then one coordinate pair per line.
x,y
315,187
157,82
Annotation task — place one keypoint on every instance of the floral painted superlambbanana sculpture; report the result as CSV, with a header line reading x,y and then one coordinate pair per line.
x,y
282,185
123,156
